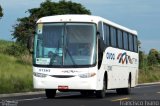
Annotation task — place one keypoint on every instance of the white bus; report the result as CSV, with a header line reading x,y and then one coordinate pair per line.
x,y
84,53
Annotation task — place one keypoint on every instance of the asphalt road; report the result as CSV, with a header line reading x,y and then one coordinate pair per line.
x,y
148,95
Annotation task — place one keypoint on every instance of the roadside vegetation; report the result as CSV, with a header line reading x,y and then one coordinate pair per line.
x,y
15,71
149,66
149,74
14,75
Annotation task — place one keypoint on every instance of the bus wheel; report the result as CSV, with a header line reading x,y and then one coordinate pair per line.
x,y
50,93
127,90
101,93
119,91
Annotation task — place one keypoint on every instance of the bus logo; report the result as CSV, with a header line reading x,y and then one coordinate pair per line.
x,y
110,56
124,58
70,71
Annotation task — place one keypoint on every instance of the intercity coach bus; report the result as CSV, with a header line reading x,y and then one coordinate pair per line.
x,y
83,53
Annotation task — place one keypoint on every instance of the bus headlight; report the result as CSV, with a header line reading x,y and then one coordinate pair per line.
x,y
40,75
87,75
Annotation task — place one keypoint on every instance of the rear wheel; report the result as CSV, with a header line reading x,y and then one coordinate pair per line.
x,y
126,91
50,93
119,91
101,93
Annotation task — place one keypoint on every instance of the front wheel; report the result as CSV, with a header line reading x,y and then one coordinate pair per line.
x,y
50,93
101,93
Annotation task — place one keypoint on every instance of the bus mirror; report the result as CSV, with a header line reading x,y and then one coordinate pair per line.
x,y
101,42
98,33
34,32
30,44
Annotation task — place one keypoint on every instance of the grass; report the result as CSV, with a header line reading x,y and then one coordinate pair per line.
x,y
14,76
149,74
4,45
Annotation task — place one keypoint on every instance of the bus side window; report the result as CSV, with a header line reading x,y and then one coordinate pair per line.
x,y
135,44
120,39
106,35
125,40
130,42
113,37
100,30
101,35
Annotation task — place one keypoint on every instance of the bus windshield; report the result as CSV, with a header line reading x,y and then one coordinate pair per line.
x,y
65,44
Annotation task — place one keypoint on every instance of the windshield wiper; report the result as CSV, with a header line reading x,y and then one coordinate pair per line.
x,y
66,49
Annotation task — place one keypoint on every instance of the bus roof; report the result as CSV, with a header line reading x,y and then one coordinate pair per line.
x,y
83,18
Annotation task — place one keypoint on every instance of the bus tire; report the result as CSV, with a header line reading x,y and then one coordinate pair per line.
x,y
119,91
50,93
101,93
127,91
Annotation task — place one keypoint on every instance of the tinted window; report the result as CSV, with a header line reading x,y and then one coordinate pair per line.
x,y
130,42
120,39
135,44
125,40
113,37
100,29
106,35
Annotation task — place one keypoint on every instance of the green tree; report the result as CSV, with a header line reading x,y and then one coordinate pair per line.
x,y
153,57
26,25
1,11
159,57
141,59
139,44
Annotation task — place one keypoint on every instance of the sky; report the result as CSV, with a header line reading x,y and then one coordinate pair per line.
x,y
140,15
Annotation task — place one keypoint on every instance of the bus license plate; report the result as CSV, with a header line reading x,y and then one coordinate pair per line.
x,y
63,87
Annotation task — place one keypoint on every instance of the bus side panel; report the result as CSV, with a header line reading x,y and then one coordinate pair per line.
x,y
100,77
119,64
